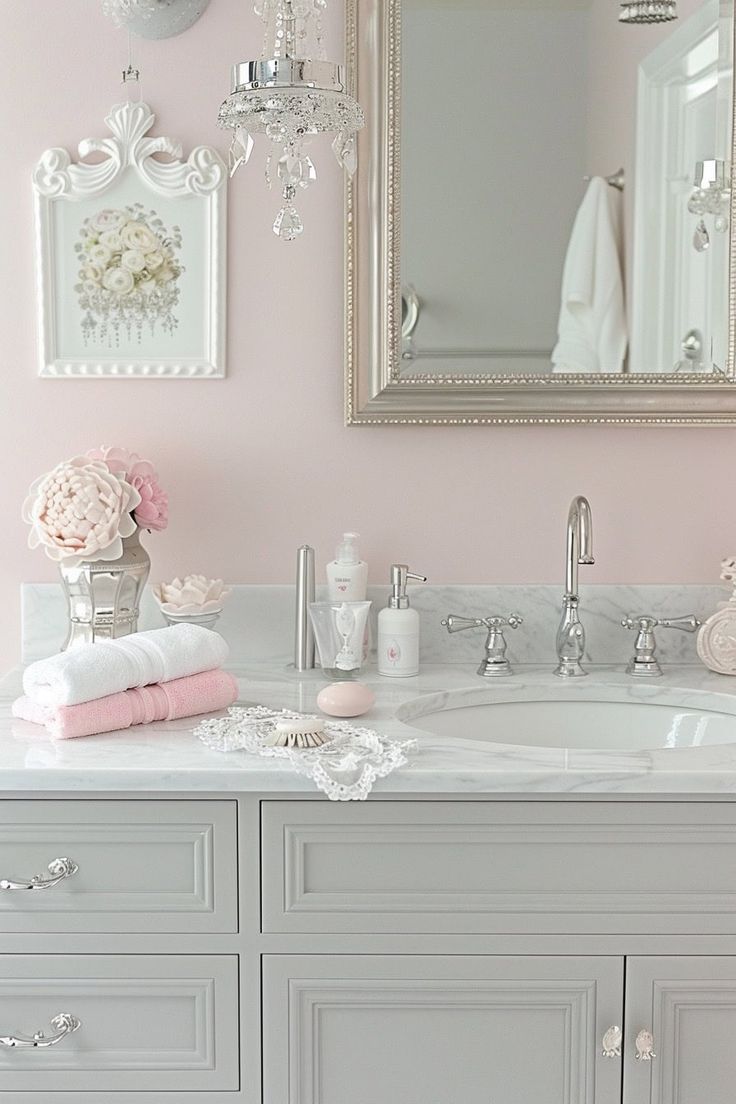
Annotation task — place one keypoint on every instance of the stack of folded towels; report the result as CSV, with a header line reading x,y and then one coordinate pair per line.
x,y
147,676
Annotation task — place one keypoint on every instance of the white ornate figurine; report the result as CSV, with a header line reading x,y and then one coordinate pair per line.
x,y
717,637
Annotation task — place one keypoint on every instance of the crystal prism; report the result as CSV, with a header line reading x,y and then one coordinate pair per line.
x,y
345,150
241,148
296,170
701,237
288,225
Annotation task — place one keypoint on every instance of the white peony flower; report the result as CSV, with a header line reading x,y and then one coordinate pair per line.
x,y
108,220
194,594
80,511
136,235
99,255
91,273
111,240
133,260
118,280
154,260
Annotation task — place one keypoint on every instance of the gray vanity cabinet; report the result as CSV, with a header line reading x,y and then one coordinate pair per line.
x,y
689,1004
423,1029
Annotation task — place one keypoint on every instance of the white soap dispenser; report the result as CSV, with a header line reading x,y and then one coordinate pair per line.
x,y
398,628
347,574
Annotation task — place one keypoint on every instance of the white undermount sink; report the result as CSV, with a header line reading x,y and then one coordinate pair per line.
x,y
607,719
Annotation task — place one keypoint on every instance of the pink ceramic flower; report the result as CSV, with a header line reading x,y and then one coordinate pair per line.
x,y
80,511
153,510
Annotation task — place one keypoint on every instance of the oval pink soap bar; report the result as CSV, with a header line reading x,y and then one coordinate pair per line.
x,y
345,699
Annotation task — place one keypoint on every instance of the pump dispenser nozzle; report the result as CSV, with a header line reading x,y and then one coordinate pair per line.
x,y
347,549
400,575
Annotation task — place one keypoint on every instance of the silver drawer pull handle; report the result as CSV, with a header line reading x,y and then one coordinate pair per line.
x,y
612,1043
59,869
645,1046
64,1024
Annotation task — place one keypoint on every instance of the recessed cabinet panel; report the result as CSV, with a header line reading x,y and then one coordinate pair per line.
x,y
689,1005
148,1022
500,867
439,1030
144,866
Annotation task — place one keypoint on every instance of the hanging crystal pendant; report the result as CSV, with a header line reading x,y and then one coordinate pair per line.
x,y
701,238
241,148
345,149
288,224
289,94
648,11
296,169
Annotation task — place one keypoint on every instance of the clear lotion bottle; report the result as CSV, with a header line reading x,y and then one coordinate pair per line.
x,y
398,628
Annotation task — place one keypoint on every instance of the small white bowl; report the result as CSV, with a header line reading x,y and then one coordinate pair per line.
x,y
206,620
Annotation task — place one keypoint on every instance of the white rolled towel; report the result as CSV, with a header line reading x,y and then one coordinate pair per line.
x,y
92,671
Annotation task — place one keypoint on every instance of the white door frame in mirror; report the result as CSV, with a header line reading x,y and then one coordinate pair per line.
x,y
131,253
376,393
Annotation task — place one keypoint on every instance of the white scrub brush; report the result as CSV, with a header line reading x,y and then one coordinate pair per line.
x,y
299,732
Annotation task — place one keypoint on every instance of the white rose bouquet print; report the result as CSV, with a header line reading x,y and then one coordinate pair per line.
x,y
131,255
129,272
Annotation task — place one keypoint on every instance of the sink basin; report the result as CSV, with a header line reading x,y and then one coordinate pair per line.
x,y
613,722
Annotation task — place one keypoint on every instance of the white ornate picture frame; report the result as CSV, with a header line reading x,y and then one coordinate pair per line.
x,y
131,256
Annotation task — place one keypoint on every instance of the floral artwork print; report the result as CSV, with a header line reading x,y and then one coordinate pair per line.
x,y
129,274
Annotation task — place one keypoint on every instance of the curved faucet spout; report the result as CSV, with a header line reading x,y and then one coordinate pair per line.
x,y
579,542
579,548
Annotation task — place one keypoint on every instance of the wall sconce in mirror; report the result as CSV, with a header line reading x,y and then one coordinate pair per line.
x,y
711,196
154,18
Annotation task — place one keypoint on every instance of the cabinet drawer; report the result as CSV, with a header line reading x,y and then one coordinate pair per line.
x,y
149,1023
500,867
143,866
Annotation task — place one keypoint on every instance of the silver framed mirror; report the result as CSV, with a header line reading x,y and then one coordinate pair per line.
x,y
420,351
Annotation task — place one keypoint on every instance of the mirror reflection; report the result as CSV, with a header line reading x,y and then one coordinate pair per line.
x,y
565,188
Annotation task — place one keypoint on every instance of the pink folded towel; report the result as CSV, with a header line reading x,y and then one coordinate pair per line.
x,y
161,701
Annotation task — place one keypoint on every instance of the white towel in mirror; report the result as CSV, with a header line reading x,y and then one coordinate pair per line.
x,y
592,333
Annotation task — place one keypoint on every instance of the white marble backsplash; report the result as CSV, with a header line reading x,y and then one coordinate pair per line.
x,y
258,621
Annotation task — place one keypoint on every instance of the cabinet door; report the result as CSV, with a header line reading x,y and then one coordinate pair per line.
x,y
689,1005
426,1029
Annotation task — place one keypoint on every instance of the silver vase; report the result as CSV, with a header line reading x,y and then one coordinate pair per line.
x,y
103,597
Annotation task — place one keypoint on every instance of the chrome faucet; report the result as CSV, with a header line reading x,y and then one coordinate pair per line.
x,y
579,550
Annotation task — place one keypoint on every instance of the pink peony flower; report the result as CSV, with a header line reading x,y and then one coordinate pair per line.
x,y
153,509
80,511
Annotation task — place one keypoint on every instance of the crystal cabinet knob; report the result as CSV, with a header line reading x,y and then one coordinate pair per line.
x,y
611,1045
644,1046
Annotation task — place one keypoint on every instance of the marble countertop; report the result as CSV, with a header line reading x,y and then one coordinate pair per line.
x,y
166,757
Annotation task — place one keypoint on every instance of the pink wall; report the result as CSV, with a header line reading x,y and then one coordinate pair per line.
x,y
261,462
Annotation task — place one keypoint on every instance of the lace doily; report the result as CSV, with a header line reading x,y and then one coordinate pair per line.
x,y
344,767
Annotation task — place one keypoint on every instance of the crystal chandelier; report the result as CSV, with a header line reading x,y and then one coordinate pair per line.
x,y
291,93
648,11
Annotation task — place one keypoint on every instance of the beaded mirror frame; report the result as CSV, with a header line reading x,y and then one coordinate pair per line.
x,y
375,391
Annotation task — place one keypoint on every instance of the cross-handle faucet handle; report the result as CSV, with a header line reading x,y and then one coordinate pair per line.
x,y
644,662
494,661
455,623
